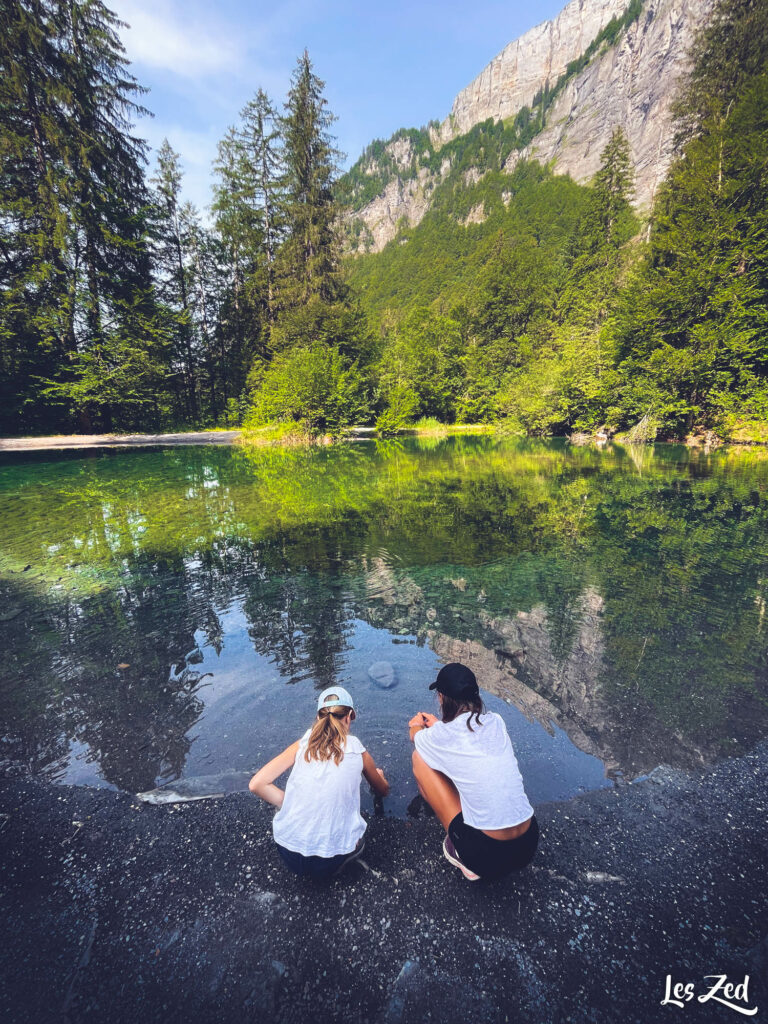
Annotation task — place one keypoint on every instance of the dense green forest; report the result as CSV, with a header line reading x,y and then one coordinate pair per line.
x,y
521,298
120,306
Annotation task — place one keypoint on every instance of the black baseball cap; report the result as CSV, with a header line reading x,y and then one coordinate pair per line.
x,y
457,681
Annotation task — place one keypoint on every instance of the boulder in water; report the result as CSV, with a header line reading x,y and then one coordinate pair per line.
x,y
382,674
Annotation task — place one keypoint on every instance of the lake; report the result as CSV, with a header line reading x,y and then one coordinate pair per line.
x,y
173,612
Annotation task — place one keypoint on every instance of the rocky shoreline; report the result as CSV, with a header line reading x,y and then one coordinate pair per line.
x,y
707,440
117,911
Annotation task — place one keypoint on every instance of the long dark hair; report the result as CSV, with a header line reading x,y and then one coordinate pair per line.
x,y
451,708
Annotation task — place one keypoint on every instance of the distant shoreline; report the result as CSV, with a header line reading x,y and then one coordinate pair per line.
x,y
64,441
31,444
229,437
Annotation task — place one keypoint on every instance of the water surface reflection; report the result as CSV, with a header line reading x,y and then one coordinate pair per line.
x,y
171,612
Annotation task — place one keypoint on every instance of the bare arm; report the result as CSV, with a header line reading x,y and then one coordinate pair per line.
x,y
374,775
262,783
421,720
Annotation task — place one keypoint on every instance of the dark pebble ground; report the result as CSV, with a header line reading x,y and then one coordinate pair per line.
x,y
115,911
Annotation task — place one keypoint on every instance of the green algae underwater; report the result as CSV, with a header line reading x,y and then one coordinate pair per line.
x,y
170,612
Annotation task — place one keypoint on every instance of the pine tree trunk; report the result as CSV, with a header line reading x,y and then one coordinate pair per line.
x,y
270,260
190,374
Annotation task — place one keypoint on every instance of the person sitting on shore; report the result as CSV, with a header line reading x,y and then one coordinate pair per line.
x,y
467,772
318,827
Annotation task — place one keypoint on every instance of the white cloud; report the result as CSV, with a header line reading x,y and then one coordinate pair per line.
x,y
163,37
202,62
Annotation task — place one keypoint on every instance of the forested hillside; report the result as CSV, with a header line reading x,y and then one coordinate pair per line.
x,y
558,310
521,298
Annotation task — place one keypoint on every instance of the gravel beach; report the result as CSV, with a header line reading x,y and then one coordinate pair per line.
x,y
29,444
124,912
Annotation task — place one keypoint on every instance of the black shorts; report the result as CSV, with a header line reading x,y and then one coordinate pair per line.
x,y
318,868
492,858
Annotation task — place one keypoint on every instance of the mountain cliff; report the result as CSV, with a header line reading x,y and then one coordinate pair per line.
x,y
527,64
633,85
558,92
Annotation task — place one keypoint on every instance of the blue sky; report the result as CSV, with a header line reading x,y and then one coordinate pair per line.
x,y
386,65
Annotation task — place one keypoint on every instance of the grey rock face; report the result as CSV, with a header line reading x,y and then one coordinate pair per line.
x,y
632,85
403,200
538,57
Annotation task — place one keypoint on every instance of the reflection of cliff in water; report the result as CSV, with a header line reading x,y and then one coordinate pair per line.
x,y
555,668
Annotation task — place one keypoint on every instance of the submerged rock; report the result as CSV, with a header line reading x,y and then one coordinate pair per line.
x,y
382,674
202,787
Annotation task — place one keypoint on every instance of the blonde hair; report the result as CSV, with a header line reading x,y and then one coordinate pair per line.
x,y
328,737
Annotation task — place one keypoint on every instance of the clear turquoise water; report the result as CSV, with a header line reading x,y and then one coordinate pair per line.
x,y
611,603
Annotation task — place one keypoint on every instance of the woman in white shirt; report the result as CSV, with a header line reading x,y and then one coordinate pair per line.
x,y
318,827
467,772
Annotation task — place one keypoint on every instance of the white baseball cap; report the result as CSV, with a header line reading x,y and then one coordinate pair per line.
x,y
334,697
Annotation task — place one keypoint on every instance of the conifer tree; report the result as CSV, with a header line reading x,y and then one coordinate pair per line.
x,y
240,224
222,372
262,154
35,329
170,266
236,220
311,252
74,204
110,201
614,185
606,226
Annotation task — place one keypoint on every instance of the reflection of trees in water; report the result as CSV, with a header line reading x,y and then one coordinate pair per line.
x,y
683,623
137,731
298,616
213,630
466,542
134,720
679,567
29,736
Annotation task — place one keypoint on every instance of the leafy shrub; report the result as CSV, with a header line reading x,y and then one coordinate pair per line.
x,y
401,410
533,399
315,387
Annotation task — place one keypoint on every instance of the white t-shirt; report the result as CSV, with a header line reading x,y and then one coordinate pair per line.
x,y
320,816
483,767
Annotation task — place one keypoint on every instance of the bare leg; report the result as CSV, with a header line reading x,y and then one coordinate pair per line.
x,y
437,789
